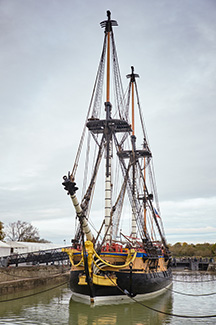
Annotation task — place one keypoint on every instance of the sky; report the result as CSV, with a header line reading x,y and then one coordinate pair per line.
x,y
49,56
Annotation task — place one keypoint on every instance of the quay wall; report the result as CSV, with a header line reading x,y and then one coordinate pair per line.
x,y
22,278
212,267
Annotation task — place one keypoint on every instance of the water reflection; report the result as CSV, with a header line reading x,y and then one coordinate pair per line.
x,y
133,313
39,308
57,307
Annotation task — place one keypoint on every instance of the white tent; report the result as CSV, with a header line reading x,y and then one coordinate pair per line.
x,y
17,247
28,247
34,246
4,249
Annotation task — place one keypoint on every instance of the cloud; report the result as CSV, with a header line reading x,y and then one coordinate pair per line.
x,y
190,218
49,56
194,231
56,230
193,204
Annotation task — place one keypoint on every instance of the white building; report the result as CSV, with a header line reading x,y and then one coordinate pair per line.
x,y
4,249
29,247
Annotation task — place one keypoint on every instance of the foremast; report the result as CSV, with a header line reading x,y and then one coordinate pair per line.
x,y
105,127
108,135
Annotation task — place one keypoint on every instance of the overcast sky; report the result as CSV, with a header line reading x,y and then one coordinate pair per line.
x,y
49,56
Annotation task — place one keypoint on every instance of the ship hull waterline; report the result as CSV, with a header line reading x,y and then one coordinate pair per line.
x,y
143,286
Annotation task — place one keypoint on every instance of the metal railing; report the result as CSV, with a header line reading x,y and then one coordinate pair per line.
x,y
35,258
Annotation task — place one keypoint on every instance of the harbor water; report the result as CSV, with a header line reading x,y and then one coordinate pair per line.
x,y
192,294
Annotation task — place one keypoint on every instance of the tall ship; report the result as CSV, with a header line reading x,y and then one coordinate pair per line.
x,y
119,251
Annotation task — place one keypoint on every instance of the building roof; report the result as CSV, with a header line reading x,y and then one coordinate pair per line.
x,y
15,244
2,244
36,245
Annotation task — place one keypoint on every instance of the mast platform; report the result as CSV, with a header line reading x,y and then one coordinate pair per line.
x,y
138,153
115,125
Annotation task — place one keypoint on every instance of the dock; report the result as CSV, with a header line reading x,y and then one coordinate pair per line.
x,y
193,264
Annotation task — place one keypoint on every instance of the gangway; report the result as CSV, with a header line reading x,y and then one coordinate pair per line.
x,y
35,258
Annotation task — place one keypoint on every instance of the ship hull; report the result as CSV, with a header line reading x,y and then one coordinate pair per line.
x,y
136,285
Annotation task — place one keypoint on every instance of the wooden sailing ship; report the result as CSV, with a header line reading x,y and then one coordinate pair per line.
x,y
118,259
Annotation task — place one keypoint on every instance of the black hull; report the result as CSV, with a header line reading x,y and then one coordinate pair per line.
x,y
141,284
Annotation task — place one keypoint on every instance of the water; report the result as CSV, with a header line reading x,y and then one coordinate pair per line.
x,y
57,307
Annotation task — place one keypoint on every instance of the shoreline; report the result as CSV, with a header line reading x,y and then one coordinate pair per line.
x,y
16,280
187,272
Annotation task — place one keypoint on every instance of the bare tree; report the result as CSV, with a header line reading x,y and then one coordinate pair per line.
x,y
22,231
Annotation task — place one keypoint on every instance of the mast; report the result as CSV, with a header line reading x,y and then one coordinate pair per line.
x,y
108,58
108,107
70,187
132,77
144,190
104,132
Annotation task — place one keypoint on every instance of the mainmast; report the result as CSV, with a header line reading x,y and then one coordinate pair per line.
x,y
135,154
132,77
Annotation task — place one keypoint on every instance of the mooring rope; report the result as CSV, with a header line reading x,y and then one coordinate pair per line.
x,y
190,294
34,294
171,314
159,311
196,281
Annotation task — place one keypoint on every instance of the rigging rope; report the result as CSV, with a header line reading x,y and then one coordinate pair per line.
x,y
138,206
86,165
98,92
119,92
96,96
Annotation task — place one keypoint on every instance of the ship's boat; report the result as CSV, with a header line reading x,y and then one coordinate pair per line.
x,y
119,251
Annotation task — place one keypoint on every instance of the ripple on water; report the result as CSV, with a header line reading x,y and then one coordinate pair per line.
x,y
57,307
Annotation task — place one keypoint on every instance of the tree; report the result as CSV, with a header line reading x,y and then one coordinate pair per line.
x,y
23,231
188,250
2,234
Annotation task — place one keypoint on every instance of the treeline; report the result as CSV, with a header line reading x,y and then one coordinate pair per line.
x,y
198,250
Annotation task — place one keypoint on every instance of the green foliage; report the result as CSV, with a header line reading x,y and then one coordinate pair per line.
x,y
189,250
2,234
